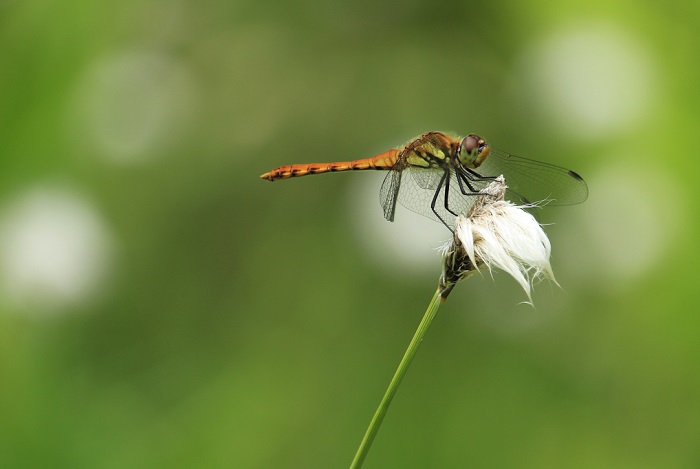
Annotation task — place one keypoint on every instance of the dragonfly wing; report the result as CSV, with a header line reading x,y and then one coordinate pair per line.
x,y
389,192
418,188
426,178
533,181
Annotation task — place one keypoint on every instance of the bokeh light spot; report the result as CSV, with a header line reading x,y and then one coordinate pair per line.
x,y
623,230
54,250
589,81
408,244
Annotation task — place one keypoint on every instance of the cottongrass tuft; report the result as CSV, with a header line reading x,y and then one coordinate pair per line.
x,y
498,234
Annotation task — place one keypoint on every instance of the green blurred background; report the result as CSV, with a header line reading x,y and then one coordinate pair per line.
x,y
161,306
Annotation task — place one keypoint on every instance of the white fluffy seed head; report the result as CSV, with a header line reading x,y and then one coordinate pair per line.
x,y
497,233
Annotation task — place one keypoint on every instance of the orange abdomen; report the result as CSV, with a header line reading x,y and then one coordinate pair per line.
x,y
382,161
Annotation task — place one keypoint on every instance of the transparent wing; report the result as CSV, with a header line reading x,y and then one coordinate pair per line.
x,y
534,181
426,178
419,186
389,192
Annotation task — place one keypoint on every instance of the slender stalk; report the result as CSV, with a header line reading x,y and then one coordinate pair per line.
x,y
438,298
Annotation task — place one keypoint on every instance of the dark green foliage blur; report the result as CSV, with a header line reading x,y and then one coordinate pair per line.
x,y
211,319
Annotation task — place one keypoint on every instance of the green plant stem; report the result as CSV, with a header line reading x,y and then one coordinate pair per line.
x,y
376,422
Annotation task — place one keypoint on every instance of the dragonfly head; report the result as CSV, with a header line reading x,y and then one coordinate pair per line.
x,y
473,150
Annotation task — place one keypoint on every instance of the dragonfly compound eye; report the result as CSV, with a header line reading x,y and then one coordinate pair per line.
x,y
470,143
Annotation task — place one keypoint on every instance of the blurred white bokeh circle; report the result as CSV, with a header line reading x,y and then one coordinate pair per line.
x,y
624,230
408,245
55,249
588,80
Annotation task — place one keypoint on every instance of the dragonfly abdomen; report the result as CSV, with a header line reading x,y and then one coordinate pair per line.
x,y
382,161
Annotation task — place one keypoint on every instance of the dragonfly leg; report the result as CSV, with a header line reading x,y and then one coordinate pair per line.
x,y
447,178
462,180
474,176
437,193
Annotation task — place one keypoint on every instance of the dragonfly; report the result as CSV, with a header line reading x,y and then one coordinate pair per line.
x,y
437,175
